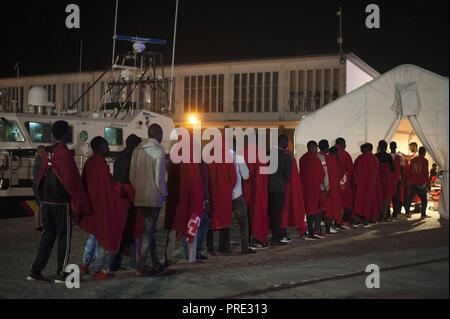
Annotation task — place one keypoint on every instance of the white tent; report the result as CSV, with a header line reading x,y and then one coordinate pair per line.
x,y
376,110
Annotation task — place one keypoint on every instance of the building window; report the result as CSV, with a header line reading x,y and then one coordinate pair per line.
x,y
309,93
319,88
336,80
267,92
186,94
193,94
114,136
214,94
221,92
275,92
200,94
236,93
244,93
259,91
251,93
207,94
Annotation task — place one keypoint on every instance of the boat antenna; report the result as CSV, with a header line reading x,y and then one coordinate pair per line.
x,y
115,34
173,56
340,38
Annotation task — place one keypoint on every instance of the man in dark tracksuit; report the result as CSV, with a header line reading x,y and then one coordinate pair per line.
x,y
277,188
58,184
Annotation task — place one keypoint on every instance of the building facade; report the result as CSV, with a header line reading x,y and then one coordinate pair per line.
x,y
247,93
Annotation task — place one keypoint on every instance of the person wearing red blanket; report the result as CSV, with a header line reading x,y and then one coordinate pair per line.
x,y
109,216
386,174
133,229
222,179
413,148
184,209
333,206
312,175
257,198
61,193
420,181
366,201
347,182
293,214
399,163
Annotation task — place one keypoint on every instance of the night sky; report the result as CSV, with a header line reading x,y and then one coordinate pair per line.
x,y
34,34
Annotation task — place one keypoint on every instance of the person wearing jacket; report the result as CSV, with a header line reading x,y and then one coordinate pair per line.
x,y
147,175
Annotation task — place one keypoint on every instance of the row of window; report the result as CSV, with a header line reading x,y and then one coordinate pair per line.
x,y
255,92
312,89
204,93
42,133
72,92
13,97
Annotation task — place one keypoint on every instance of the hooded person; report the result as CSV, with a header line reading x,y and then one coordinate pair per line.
x,y
109,212
366,195
184,209
312,175
63,197
347,181
386,175
256,196
333,206
222,179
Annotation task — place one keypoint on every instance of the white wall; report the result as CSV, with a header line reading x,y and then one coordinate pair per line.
x,y
356,77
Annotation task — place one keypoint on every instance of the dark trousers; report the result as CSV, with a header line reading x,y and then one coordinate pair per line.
x,y
347,216
357,219
57,224
385,211
240,213
314,223
150,216
420,191
224,240
276,204
396,203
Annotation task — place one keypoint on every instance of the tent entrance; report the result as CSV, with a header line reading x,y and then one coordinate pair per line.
x,y
406,135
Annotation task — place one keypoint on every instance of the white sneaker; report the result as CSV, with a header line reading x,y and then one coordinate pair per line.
x,y
333,231
286,240
367,226
356,226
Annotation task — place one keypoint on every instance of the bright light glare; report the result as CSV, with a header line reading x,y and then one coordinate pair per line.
x,y
193,120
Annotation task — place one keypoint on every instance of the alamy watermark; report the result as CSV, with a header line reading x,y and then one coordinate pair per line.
x,y
188,147
373,280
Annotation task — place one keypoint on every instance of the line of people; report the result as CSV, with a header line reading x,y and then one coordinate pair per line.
x,y
120,211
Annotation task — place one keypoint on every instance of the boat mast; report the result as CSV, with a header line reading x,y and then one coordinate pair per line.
x,y
173,57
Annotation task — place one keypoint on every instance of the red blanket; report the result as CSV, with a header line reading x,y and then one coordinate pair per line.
x,y
293,214
66,171
311,176
386,181
110,212
184,207
366,202
221,182
333,205
256,196
135,223
347,189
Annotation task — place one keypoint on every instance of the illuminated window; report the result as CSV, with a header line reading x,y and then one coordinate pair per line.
x,y
39,132
10,132
114,136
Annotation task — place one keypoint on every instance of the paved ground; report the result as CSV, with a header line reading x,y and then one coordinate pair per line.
x,y
412,255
